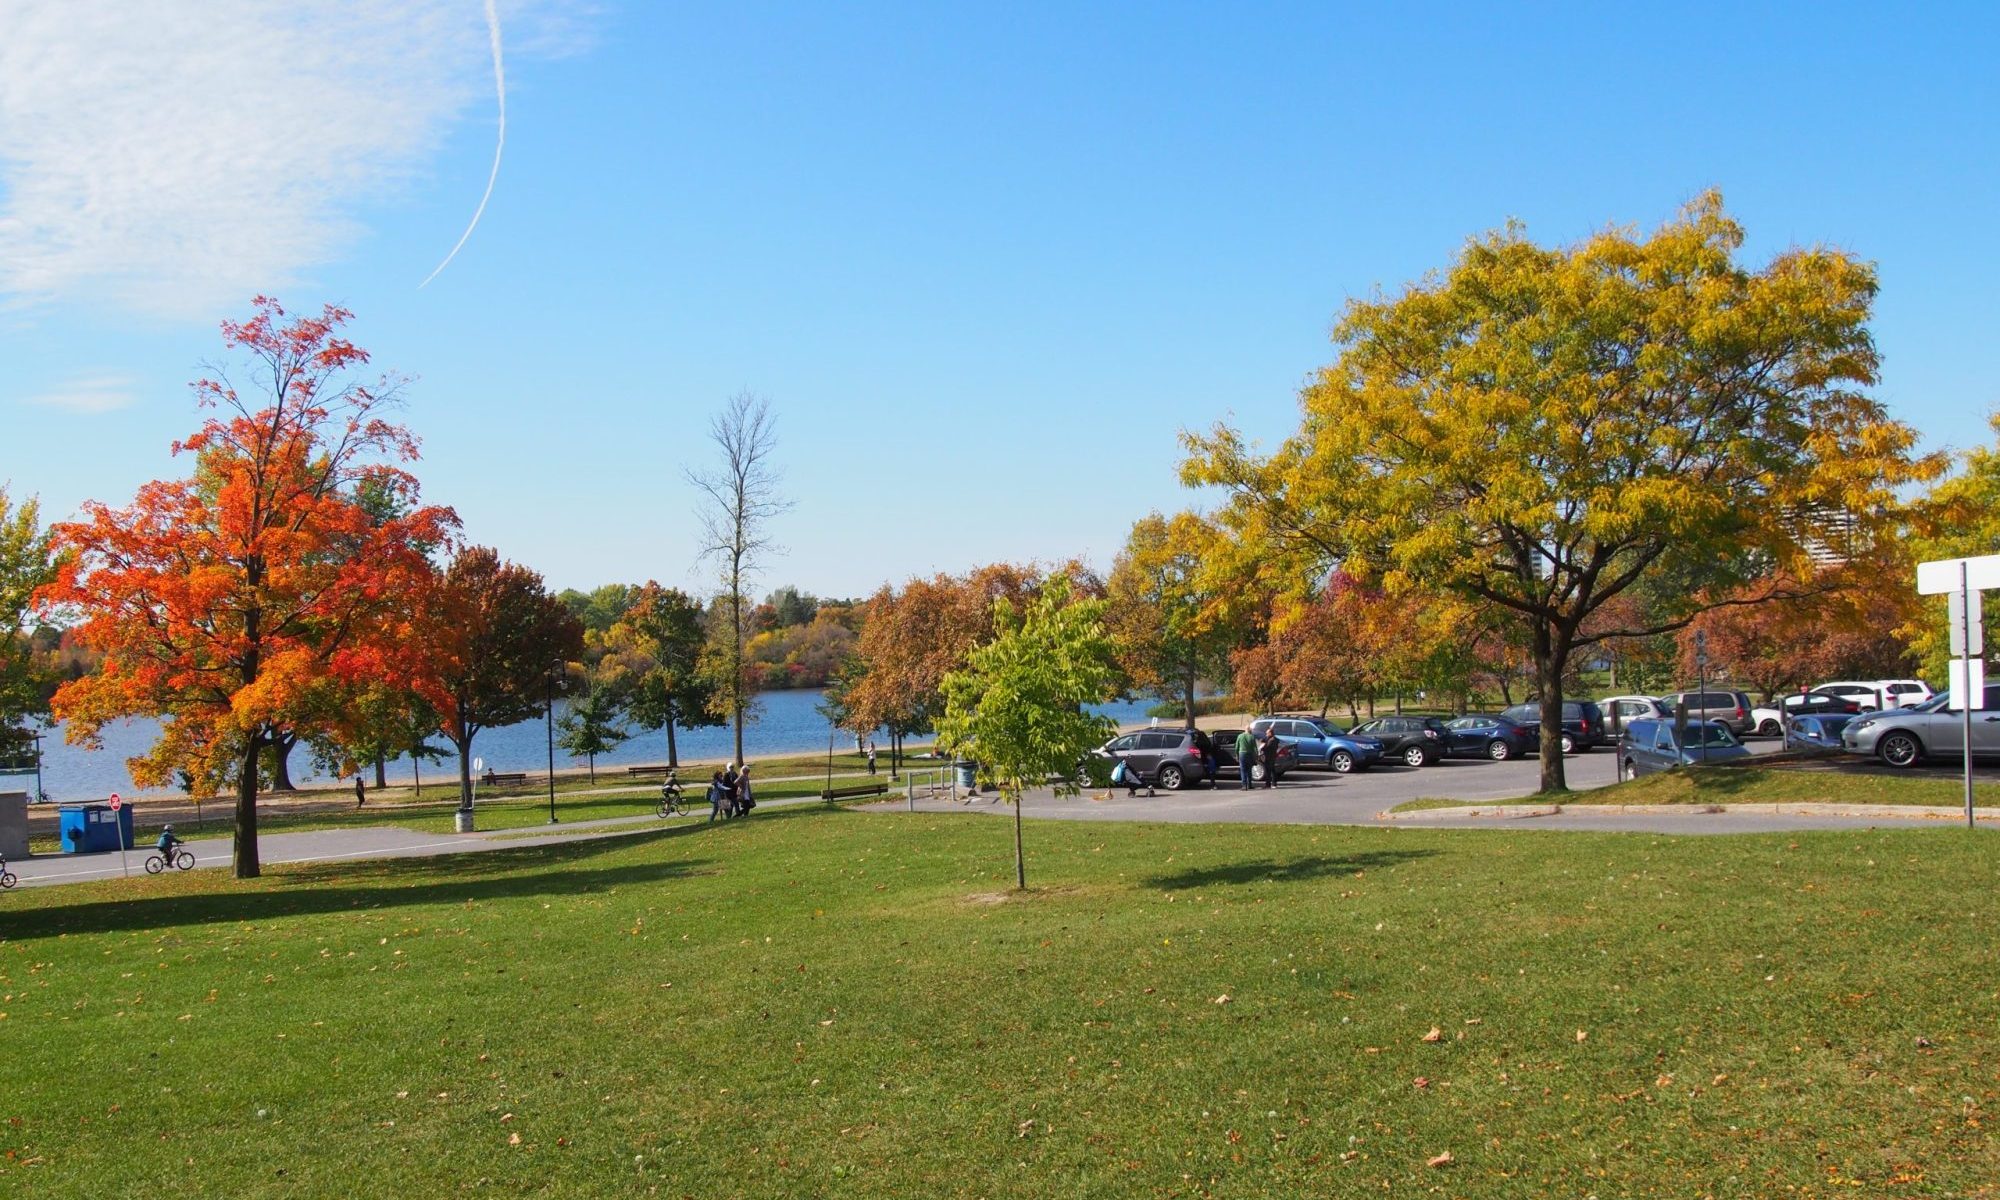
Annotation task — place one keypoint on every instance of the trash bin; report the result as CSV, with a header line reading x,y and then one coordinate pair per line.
x,y
93,828
968,774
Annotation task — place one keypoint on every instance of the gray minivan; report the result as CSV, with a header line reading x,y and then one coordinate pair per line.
x,y
1730,708
1654,745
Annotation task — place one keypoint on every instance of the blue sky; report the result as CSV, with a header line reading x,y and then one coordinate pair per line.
x,y
985,262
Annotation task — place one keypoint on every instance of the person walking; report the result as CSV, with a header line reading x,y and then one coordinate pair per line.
x,y
1246,754
1268,753
360,792
717,796
744,801
729,791
871,756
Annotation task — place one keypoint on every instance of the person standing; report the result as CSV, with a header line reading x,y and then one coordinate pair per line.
x,y
1268,753
729,791
360,792
744,801
1246,754
871,756
716,797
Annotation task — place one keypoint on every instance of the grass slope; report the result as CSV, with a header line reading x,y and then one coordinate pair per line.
x,y
831,1003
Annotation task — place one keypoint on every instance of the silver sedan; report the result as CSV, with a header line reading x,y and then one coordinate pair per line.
x,y
1904,737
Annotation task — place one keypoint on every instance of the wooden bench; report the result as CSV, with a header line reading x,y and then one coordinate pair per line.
x,y
649,770
503,778
854,793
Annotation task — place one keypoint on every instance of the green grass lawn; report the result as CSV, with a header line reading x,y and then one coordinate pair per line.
x,y
828,1003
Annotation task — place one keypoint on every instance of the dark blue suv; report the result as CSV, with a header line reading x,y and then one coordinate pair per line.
x,y
1321,743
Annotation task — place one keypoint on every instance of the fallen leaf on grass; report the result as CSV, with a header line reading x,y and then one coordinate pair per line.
x,y
1420,1082
1222,999
1435,1035
1582,1035
1442,1160
513,1139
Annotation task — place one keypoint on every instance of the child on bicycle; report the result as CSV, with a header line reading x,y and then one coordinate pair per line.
x,y
167,843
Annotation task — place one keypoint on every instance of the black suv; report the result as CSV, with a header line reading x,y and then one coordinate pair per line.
x,y
1416,741
1583,722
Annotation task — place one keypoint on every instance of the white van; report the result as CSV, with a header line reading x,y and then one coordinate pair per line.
x,y
1903,693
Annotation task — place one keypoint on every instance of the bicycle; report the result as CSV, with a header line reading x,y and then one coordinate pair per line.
x,y
671,804
7,878
156,862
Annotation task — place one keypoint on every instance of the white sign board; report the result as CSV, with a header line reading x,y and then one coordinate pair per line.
x,y
1968,678
1942,576
1968,623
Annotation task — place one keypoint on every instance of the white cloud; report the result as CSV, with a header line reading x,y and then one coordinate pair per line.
x,y
102,392
178,156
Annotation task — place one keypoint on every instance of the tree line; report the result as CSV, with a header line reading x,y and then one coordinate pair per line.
x,y
1537,460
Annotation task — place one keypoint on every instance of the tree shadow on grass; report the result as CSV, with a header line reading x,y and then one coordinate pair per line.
x,y
309,889
1297,870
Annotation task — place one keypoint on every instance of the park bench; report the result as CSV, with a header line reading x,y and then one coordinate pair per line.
x,y
854,792
502,778
649,770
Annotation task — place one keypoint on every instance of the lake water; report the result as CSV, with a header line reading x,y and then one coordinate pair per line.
x,y
786,723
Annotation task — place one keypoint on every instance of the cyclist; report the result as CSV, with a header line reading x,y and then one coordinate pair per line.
x,y
670,792
168,843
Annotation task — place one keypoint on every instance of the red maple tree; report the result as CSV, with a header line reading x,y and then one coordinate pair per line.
x,y
221,601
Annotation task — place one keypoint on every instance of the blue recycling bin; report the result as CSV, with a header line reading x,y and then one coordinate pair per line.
x,y
968,774
93,828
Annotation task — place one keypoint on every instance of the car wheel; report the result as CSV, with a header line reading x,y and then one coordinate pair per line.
x,y
1626,771
1341,761
1767,728
1901,749
1414,756
1171,778
1569,744
1257,772
1498,750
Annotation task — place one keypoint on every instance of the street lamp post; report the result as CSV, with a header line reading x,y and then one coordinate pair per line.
x,y
549,719
1700,675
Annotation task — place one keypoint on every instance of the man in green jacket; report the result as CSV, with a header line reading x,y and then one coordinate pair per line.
x,y
1246,753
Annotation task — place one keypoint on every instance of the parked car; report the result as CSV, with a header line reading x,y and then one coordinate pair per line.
x,y
1320,743
1729,707
1167,758
1904,737
1495,737
1652,745
1415,741
1817,732
1620,711
1770,722
1865,693
1224,742
1582,722
1904,693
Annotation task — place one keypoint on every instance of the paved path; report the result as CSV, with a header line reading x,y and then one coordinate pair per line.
x,y
1305,798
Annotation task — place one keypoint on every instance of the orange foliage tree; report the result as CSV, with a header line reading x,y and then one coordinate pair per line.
x,y
220,601
1846,626
910,640
492,651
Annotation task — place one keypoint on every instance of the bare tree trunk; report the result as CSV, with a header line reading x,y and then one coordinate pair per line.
x,y
381,771
281,761
464,772
1020,862
1188,694
244,848
673,751
1551,653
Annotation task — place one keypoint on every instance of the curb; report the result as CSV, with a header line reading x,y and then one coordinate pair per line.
x,y
1503,812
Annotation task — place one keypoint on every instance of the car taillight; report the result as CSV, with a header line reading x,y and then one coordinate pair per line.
x,y
1739,712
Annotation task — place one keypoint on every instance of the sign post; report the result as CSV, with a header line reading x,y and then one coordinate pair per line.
x,y
1962,580
118,828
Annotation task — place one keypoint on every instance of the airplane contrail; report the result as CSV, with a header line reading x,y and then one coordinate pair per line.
x,y
500,90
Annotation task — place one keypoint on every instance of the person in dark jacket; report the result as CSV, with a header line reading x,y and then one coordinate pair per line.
x,y
718,796
1268,753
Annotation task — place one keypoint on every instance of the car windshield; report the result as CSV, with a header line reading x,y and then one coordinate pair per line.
x,y
1326,727
1469,722
1710,735
1933,704
1830,725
